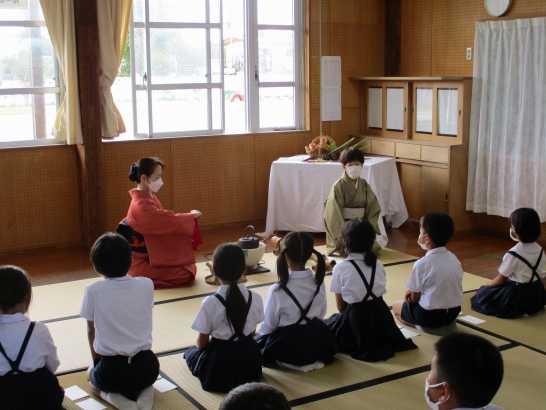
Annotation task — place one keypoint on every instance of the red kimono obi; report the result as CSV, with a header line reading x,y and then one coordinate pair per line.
x,y
169,238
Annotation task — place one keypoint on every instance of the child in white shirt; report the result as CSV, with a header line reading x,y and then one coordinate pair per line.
x,y
364,326
226,354
519,287
28,356
293,332
465,373
435,288
118,311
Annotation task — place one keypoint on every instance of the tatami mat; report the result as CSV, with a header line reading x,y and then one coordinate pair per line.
x,y
52,302
522,388
162,401
528,330
343,372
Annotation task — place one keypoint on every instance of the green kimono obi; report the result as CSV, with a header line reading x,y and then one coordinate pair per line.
x,y
349,198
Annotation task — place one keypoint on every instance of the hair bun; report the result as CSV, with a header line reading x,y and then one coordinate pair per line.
x,y
134,172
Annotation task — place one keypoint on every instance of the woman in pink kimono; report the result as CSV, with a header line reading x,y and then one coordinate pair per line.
x,y
163,241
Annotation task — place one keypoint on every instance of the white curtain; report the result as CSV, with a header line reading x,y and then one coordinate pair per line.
x,y
507,157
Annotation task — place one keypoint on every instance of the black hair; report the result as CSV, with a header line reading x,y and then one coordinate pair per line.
x,y
526,222
359,237
255,396
439,227
472,366
298,247
144,166
350,155
228,264
111,255
15,287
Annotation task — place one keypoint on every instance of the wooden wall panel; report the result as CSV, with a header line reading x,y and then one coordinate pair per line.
x,y
416,41
40,202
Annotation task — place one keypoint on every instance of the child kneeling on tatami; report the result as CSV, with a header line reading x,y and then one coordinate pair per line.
x,y
364,328
435,288
28,356
293,333
226,354
519,287
118,311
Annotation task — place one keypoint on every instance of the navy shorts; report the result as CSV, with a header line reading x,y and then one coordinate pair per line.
x,y
413,313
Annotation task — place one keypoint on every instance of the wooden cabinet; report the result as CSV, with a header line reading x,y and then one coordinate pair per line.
x,y
387,110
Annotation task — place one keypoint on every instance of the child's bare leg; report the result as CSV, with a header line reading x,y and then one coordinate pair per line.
x,y
397,312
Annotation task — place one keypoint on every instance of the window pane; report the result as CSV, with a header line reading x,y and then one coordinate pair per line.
x,y
424,110
276,55
179,56
216,108
395,109
216,56
140,55
276,12
234,66
448,109
277,107
24,117
123,97
180,11
375,107
143,125
17,10
29,60
215,11
179,110
139,10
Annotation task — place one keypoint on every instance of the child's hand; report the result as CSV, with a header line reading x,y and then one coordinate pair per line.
x,y
412,297
408,296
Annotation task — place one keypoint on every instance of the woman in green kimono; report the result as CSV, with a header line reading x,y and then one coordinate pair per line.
x,y
350,198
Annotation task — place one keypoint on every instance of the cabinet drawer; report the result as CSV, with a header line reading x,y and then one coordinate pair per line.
x,y
435,154
383,148
408,151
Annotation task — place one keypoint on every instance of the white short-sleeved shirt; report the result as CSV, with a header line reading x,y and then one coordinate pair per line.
x,y
488,407
438,276
40,352
122,311
212,319
515,269
347,281
280,309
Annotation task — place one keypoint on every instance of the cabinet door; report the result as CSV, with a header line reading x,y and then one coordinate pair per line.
x,y
435,189
411,179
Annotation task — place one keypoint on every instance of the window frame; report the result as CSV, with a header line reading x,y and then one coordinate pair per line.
x,y
57,90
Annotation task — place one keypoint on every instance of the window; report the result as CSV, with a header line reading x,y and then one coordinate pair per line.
x,y
29,91
212,66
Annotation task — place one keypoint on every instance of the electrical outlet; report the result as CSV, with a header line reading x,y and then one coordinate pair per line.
x,y
469,53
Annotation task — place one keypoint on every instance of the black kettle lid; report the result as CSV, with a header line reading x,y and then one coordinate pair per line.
x,y
249,239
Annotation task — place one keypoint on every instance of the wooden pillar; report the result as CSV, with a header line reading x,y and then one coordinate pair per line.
x,y
392,37
89,152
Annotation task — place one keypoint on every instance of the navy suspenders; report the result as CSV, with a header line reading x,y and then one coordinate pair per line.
x,y
14,364
248,304
368,286
526,262
303,312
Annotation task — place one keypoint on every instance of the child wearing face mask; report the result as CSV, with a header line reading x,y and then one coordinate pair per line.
x,y
350,198
435,289
519,287
466,372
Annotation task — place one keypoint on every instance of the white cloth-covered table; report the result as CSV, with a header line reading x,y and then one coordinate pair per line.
x,y
298,191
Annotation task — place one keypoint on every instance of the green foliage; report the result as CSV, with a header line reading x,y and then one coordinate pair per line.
x,y
125,67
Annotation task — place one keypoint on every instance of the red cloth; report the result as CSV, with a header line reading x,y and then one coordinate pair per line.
x,y
169,239
197,239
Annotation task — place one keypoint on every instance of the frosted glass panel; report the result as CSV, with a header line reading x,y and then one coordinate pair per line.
x,y
423,110
395,109
448,111
375,108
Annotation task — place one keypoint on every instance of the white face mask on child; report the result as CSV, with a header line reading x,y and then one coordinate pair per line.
x,y
353,171
430,403
513,235
156,185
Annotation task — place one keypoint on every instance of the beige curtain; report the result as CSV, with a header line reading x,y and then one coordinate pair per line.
x,y
59,18
114,17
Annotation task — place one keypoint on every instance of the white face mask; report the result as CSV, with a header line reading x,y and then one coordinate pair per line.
x,y
156,185
421,243
430,403
513,235
353,171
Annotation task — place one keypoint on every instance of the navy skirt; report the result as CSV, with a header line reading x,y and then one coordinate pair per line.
x,y
367,331
128,377
39,389
299,344
510,300
225,364
414,313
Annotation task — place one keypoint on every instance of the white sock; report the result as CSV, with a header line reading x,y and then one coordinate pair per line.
x,y
119,401
146,399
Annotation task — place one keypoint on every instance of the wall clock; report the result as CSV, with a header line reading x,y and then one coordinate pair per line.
x,y
497,8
